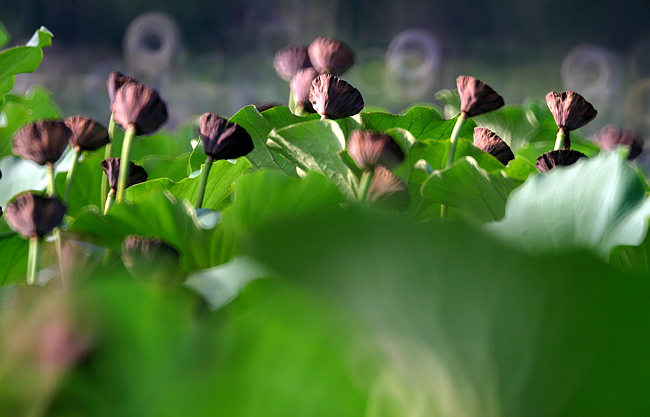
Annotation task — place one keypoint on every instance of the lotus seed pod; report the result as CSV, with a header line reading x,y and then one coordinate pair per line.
x,y
561,157
476,97
141,106
333,98
330,56
42,142
115,81
488,141
612,136
570,110
266,105
301,85
87,134
388,190
289,60
34,215
223,139
111,166
148,258
369,149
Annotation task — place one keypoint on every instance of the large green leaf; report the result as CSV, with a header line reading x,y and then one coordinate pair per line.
x,y
22,59
471,189
314,146
633,259
281,116
13,262
595,204
174,168
460,324
86,184
4,36
219,186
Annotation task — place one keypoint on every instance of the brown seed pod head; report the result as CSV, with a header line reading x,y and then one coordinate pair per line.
x,y
561,157
611,136
87,134
488,141
476,97
570,110
388,190
223,139
116,80
330,56
111,166
151,258
369,149
34,215
333,98
301,85
141,106
291,59
42,142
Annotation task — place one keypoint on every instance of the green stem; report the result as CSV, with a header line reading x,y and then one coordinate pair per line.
x,y
203,181
443,210
33,259
364,185
73,168
559,141
124,162
51,185
455,134
108,154
110,199
57,242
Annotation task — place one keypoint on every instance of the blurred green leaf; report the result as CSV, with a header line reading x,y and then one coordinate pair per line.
x,y
5,37
595,204
471,189
13,262
174,168
86,184
633,259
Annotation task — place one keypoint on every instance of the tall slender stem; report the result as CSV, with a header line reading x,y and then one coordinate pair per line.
x,y
203,181
108,154
51,185
110,199
455,134
125,163
364,185
559,140
33,259
73,168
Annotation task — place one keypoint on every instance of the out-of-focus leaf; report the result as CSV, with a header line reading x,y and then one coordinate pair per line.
x,y
633,259
13,262
174,168
594,204
86,184
4,36
314,146
471,189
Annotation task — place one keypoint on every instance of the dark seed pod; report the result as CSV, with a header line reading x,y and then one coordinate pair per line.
x,y
115,81
570,110
291,59
488,141
476,97
42,142
223,139
333,98
265,105
301,85
34,215
87,134
141,106
563,157
149,258
111,166
369,149
330,56
611,136
387,190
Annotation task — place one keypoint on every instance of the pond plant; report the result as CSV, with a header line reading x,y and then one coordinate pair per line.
x,y
318,258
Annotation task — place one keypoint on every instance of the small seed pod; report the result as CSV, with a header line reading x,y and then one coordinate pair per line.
x,y
291,59
115,81
333,98
42,142
34,215
87,134
570,110
141,106
611,136
111,166
330,56
488,141
301,85
369,149
223,139
148,258
476,97
563,157
387,190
